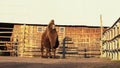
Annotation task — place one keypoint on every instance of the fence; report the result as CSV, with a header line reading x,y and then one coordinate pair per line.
x,y
29,39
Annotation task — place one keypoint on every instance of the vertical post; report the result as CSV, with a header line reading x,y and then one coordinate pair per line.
x,y
118,48
101,31
23,39
64,48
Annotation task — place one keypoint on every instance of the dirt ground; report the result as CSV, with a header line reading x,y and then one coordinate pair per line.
x,y
37,62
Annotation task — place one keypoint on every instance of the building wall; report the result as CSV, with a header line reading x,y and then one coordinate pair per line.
x,y
83,37
111,42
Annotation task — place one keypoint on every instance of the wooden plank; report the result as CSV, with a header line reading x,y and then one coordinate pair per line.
x,y
6,50
3,41
30,53
67,43
5,36
2,45
6,28
6,32
7,42
90,53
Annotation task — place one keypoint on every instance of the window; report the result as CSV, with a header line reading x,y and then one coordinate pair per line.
x,y
61,29
39,29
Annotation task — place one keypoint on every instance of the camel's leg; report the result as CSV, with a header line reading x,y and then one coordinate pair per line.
x,y
47,51
54,51
50,55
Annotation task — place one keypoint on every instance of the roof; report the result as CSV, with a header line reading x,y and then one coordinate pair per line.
x,y
56,25
118,20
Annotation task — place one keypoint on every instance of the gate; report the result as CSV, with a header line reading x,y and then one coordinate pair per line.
x,y
29,40
19,40
66,50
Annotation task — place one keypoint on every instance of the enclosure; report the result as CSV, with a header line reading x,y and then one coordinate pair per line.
x,y
27,38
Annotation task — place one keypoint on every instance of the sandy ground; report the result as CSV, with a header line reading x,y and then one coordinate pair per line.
x,y
20,62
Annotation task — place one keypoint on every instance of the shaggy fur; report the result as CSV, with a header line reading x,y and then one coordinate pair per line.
x,y
49,40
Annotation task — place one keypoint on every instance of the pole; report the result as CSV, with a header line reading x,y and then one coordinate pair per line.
x,y
101,31
23,40
64,48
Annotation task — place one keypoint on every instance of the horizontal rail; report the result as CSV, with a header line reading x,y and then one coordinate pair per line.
x,y
5,32
8,42
68,43
2,45
6,50
6,28
5,36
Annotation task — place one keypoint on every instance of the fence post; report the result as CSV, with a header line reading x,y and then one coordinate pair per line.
x,y
64,51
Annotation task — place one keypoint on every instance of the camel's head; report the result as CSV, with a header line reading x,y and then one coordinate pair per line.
x,y
51,25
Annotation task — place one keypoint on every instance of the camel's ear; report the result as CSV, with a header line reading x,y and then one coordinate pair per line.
x,y
52,20
50,24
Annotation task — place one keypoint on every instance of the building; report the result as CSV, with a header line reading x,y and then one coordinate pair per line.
x,y
111,42
85,38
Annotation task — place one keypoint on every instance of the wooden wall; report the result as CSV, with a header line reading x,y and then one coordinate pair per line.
x,y
83,37
111,42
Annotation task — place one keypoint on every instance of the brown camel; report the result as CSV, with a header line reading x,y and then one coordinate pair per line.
x,y
49,40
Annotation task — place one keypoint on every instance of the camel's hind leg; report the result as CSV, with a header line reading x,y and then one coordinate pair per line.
x,y
49,52
54,51
42,50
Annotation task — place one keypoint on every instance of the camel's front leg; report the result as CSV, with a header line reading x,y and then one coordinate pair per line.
x,y
54,51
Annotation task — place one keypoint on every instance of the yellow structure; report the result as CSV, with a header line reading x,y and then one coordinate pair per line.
x,y
26,38
111,42
29,39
